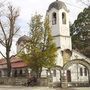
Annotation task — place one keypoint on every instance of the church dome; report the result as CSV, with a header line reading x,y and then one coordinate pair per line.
x,y
23,39
57,5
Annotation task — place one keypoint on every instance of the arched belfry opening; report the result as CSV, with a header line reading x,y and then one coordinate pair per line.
x,y
63,18
54,18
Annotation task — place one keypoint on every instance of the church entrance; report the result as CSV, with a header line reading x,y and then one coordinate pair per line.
x,y
77,73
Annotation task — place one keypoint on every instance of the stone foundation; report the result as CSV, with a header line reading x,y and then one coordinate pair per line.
x,y
13,80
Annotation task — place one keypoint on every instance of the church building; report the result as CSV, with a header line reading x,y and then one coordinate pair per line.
x,y
75,69
72,68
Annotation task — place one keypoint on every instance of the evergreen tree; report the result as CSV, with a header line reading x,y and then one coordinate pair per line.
x,y
80,32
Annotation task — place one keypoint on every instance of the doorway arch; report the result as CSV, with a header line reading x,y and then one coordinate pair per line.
x,y
82,62
77,61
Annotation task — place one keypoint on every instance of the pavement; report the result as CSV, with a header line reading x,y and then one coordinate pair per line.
x,y
4,87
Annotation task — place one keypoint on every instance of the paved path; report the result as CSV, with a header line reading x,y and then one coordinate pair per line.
x,y
39,88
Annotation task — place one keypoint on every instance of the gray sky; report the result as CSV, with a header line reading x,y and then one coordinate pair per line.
x,y
29,7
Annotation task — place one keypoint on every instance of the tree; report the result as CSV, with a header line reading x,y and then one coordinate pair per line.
x,y
80,31
41,50
8,29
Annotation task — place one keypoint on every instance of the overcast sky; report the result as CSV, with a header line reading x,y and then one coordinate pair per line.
x,y
29,7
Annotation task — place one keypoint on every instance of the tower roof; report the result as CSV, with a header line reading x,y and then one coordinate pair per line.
x,y
22,39
57,5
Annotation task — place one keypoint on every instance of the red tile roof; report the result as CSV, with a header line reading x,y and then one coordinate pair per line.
x,y
16,62
18,65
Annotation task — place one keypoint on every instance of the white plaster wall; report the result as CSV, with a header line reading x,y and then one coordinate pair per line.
x,y
63,40
55,30
44,72
65,43
61,31
73,68
75,73
59,59
57,78
64,28
57,41
59,28
20,47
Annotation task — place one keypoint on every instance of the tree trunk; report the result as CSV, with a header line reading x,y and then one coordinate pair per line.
x,y
8,63
40,71
8,68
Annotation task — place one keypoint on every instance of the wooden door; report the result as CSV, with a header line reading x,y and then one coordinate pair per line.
x,y
68,75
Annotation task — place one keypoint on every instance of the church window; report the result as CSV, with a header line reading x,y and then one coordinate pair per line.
x,y
54,18
63,18
54,73
68,75
85,71
81,72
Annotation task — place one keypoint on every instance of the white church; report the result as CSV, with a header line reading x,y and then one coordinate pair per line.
x,y
72,68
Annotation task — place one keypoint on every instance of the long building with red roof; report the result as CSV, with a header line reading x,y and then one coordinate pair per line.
x,y
18,67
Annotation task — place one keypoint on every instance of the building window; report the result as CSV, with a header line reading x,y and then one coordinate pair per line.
x,y
81,72
63,18
85,71
0,73
68,75
20,71
15,73
54,73
54,19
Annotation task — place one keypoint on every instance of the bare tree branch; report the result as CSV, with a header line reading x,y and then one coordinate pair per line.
x,y
21,49
2,42
12,18
3,31
12,15
2,54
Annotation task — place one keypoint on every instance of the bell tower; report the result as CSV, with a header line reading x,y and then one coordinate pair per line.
x,y
58,15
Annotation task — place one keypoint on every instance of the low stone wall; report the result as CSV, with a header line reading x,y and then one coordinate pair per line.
x,y
13,80
78,84
22,81
43,82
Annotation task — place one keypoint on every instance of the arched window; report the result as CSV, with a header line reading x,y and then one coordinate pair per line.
x,y
85,71
54,18
81,72
63,18
54,73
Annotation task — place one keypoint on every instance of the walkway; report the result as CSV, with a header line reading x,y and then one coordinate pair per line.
x,y
39,88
